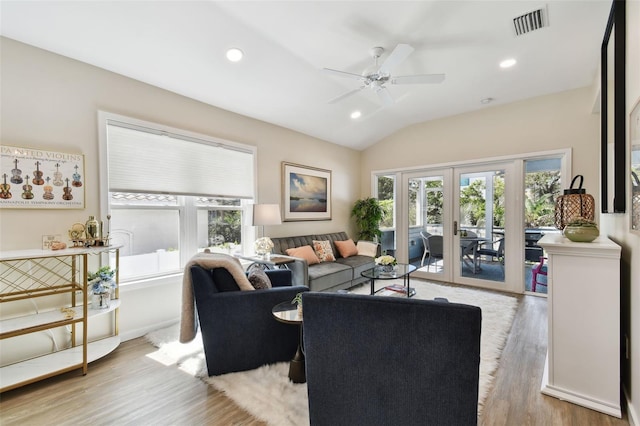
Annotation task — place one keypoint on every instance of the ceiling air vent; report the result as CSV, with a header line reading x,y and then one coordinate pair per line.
x,y
530,22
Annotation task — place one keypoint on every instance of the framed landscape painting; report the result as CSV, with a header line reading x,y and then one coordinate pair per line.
x,y
306,193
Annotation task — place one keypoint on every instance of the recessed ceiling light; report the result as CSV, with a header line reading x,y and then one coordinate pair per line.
x,y
356,114
234,54
486,100
508,63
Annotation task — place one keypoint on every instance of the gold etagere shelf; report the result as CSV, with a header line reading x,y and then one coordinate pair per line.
x,y
29,274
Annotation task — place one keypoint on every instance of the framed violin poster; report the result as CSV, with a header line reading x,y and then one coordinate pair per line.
x,y
37,179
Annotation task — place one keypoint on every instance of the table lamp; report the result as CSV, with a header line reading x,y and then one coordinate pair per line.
x,y
266,214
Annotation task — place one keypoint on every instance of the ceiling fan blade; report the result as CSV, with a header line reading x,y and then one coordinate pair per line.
x,y
385,96
418,79
345,95
399,54
344,74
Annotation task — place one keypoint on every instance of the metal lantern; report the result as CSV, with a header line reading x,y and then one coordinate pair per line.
x,y
574,203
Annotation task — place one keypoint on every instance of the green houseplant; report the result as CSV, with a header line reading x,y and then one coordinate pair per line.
x,y
368,214
298,301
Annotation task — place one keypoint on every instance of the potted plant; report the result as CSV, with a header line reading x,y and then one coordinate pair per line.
x,y
386,263
101,284
368,214
581,230
298,301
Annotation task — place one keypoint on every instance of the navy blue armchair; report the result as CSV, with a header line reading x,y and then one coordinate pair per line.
x,y
373,360
239,332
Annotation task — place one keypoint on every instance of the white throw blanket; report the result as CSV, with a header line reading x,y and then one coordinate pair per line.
x,y
188,323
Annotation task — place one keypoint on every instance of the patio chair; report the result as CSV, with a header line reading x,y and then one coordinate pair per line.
x,y
468,247
539,269
425,242
434,242
489,249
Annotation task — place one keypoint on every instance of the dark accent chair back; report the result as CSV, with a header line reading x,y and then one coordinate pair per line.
x,y
373,360
239,332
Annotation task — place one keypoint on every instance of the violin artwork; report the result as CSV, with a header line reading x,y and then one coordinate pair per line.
x,y
67,191
48,190
37,175
5,194
57,176
16,172
26,190
33,178
76,178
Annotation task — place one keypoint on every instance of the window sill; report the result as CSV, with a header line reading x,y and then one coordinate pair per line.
x,y
147,283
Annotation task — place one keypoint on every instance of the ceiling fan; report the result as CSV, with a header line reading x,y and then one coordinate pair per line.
x,y
376,77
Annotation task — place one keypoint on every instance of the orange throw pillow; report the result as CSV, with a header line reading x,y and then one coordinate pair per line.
x,y
305,252
346,248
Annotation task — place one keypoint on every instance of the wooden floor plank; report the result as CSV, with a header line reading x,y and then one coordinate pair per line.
x,y
129,388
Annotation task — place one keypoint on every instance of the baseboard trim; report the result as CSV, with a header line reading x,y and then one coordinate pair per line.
x,y
142,331
631,411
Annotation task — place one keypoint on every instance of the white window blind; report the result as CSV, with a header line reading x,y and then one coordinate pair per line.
x,y
151,161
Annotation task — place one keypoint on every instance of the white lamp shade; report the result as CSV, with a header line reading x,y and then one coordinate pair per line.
x,y
266,214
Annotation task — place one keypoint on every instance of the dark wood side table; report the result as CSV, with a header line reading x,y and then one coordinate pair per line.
x,y
287,313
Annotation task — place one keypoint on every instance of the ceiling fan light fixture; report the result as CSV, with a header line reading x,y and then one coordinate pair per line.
x,y
234,54
508,63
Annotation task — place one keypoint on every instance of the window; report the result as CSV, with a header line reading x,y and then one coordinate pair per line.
x,y
171,194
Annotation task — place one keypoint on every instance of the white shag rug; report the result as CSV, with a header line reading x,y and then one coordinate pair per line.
x,y
267,393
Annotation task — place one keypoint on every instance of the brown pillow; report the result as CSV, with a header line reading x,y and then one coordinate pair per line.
x,y
323,251
346,248
305,252
258,278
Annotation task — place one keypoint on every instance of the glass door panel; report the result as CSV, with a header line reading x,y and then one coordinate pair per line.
x,y
542,179
426,217
480,245
386,194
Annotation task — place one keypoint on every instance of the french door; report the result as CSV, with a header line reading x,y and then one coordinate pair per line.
x,y
463,219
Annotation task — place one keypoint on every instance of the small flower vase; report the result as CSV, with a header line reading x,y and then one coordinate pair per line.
x,y
101,300
386,268
299,310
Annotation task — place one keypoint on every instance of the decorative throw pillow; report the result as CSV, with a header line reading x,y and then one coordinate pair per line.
x,y
346,248
323,251
367,248
305,252
258,278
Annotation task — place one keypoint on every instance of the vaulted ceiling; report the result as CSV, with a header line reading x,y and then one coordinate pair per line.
x,y
180,46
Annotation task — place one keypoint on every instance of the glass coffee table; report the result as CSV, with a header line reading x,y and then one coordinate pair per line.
x,y
401,270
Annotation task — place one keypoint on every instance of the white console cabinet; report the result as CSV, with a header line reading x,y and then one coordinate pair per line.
x,y
583,358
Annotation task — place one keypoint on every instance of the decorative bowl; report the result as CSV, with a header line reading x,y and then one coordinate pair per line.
x,y
581,234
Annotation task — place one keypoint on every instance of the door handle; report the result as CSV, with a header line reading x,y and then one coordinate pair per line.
x,y
455,227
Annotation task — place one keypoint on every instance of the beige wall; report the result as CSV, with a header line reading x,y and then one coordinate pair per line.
x,y
616,226
50,102
562,120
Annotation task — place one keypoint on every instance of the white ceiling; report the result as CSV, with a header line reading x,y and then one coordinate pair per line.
x,y
180,46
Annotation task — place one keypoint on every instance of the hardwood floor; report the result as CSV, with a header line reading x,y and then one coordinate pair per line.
x,y
129,388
